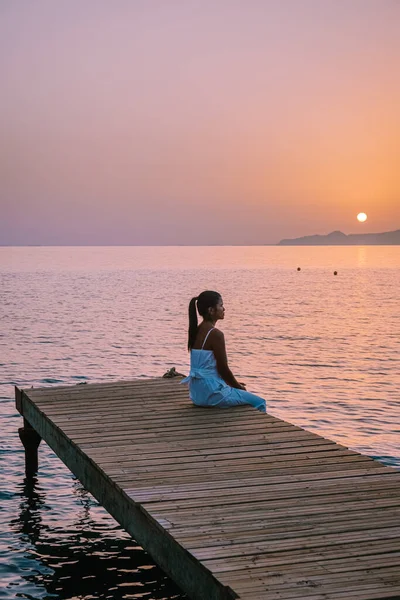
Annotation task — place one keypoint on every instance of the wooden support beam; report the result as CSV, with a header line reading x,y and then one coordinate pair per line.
x,y
31,441
29,438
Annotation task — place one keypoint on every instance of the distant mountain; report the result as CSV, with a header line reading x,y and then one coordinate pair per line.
x,y
337,238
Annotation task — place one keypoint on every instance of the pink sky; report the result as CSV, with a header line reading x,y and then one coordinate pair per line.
x,y
197,122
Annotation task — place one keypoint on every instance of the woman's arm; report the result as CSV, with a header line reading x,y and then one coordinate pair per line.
x,y
218,347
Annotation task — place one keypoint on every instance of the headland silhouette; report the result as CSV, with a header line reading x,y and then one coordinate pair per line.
x,y
337,238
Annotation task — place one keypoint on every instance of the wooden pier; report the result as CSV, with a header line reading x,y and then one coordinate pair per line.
x,y
229,503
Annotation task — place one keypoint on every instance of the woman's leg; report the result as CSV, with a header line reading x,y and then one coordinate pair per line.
x,y
238,397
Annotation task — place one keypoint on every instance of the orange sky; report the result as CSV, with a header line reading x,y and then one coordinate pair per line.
x,y
197,122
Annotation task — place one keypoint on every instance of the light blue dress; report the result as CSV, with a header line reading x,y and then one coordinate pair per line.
x,y
207,388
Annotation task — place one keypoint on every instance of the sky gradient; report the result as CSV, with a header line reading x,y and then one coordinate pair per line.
x,y
197,122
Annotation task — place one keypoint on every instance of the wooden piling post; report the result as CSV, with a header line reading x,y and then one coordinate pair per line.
x,y
31,440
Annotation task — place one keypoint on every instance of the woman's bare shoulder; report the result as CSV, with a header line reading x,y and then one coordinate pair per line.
x,y
218,335
217,332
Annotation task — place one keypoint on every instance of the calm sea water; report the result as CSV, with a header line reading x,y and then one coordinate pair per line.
x,y
322,349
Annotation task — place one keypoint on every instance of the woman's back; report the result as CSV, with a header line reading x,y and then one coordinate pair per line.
x,y
205,360
202,359
203,340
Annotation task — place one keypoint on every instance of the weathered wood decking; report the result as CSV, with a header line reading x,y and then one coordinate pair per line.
x,y
228,502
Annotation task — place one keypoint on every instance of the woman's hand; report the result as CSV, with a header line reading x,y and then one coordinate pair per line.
x,y
241,386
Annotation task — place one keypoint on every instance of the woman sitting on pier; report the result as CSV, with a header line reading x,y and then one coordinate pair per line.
x,y
211,382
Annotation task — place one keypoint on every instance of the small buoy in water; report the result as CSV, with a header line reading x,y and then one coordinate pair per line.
x,y
335,272
298,268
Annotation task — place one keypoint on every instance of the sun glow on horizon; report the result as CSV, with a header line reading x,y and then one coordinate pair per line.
x,y
361,217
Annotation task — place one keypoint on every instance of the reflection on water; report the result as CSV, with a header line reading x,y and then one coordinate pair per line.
x,y
362,255
79,561
323,350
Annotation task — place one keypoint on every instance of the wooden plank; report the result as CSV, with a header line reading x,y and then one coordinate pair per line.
x,y
278,509
180,427
277,542
335,567
302,556
228,438
168,404
234,538
158,451
160,477
135,426
273,463
331,583
274,488
189,475
361,593
185,413
206,445
209,485
133,481
197,459
104,388
224,534
246,511
183,417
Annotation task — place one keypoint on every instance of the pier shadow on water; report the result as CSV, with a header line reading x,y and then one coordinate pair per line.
x,y
80,562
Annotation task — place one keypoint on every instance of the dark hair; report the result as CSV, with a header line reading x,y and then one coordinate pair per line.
x,y
204,301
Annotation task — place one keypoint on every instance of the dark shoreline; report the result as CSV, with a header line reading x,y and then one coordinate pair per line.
x,y
337,238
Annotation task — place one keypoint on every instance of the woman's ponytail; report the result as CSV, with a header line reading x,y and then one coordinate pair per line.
x,y
192,323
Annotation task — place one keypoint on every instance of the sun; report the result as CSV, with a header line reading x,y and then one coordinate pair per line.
x,y
362,217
